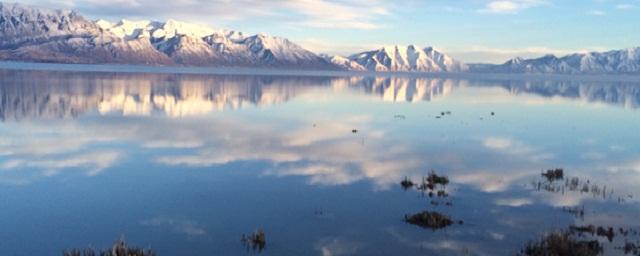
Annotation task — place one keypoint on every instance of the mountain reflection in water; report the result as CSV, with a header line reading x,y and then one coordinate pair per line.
x,y
48,94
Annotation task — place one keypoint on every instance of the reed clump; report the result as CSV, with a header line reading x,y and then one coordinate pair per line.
x,y
432,220
562,243
119,248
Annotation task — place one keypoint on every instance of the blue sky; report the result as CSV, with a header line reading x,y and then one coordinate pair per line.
x,y
471,30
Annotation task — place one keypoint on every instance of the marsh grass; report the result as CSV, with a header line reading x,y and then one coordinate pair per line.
x,y
562,244
119,248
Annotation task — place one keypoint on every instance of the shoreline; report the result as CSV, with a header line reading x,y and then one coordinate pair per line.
x,y
126,68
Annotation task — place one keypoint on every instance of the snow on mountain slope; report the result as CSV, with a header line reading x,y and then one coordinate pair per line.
x,y
344,63
156,30
407,59
611,62
33,34
21,25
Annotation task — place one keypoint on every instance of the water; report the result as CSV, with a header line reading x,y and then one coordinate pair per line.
x,y
186,164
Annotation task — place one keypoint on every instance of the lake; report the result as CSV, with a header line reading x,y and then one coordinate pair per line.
x,y
186,164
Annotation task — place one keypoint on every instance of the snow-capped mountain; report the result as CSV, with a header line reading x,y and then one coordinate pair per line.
x,y
40,35
32,34
403,59
612,62
193,44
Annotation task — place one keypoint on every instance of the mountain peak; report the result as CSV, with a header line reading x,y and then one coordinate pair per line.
x,y
515,61
410,58
549,56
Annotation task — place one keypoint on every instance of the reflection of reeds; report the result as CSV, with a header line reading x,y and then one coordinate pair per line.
x,y
631,248
594,231
553,183
433,178
434,182
119,248
583,240
256,241
562,243
554,174
577,211
406,183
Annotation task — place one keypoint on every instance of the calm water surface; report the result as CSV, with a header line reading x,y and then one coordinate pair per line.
x,y
186,164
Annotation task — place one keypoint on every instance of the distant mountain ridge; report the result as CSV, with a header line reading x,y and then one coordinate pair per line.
x,y
625,61
402,59
41,35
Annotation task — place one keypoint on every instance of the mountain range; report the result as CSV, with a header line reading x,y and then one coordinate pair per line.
x,y
41,35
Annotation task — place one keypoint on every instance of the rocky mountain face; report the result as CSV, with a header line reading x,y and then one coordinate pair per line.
x,y
401,59
31,34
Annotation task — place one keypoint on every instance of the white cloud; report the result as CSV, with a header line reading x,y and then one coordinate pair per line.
x,y
490,181
497,143
596,13
334,156
38,148
496,236
336,48
625,6
337,246
514,202
346,14
484,54
177,225
94,163
510,6
512,147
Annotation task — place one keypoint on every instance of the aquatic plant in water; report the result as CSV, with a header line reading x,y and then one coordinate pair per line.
x,y
256,241
119,248
432,220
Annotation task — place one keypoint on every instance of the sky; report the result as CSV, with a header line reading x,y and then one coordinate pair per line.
x,y
470,30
